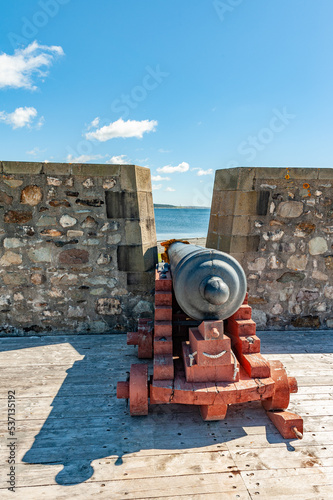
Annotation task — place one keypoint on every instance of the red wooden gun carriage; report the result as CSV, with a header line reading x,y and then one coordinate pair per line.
x,y
204,343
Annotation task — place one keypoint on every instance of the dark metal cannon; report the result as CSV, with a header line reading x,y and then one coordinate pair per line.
x,y
218,361
208,284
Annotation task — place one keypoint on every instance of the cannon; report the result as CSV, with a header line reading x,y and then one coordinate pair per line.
x,y
203,343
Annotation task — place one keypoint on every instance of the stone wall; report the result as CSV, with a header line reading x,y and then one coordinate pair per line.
x,y
278,223
78,247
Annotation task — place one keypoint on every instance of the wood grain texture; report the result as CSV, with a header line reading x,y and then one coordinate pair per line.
x,y
76,440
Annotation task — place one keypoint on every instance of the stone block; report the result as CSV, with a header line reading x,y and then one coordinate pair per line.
x,y
128,178
213,223
325,173
134,258
225,224
244,244
241,226
121,205
246,203
262,202
133,234
143,180
57,168
223,243
225,203
148,231
145,203
143,278
95,170
239,178
270,173
22,167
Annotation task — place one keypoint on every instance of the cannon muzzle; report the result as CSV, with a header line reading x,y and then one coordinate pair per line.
x,y
208,284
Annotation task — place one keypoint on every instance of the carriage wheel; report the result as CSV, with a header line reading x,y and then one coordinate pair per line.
x,y
138,390
281,396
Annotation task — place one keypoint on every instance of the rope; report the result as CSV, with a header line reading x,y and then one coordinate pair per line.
x,y
214,356
235,363
191,356
298,434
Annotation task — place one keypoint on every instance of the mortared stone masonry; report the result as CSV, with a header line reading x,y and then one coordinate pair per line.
x,y
278,223
78,248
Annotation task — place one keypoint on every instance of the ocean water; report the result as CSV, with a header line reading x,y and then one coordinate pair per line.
x,y
181,223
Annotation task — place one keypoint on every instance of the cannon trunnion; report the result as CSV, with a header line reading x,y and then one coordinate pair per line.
x,y
204,344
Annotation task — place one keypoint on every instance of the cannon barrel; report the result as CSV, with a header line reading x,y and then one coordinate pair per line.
x,y
208,284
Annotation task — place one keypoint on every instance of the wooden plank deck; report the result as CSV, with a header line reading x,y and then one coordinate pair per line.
x,y
76,440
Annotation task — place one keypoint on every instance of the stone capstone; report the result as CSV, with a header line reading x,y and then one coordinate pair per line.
x,y
31,195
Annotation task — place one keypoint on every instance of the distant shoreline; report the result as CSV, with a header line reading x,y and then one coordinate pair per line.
x,y
174,207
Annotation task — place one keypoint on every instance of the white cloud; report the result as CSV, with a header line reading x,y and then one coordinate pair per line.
x,y
169,189
82,158
120,128
21,117
118,160
18,70
157,178
161,150
35,151
155,187
94,123
205,172
168,169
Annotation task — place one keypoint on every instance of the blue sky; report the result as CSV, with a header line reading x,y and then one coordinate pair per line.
x,y
184,87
